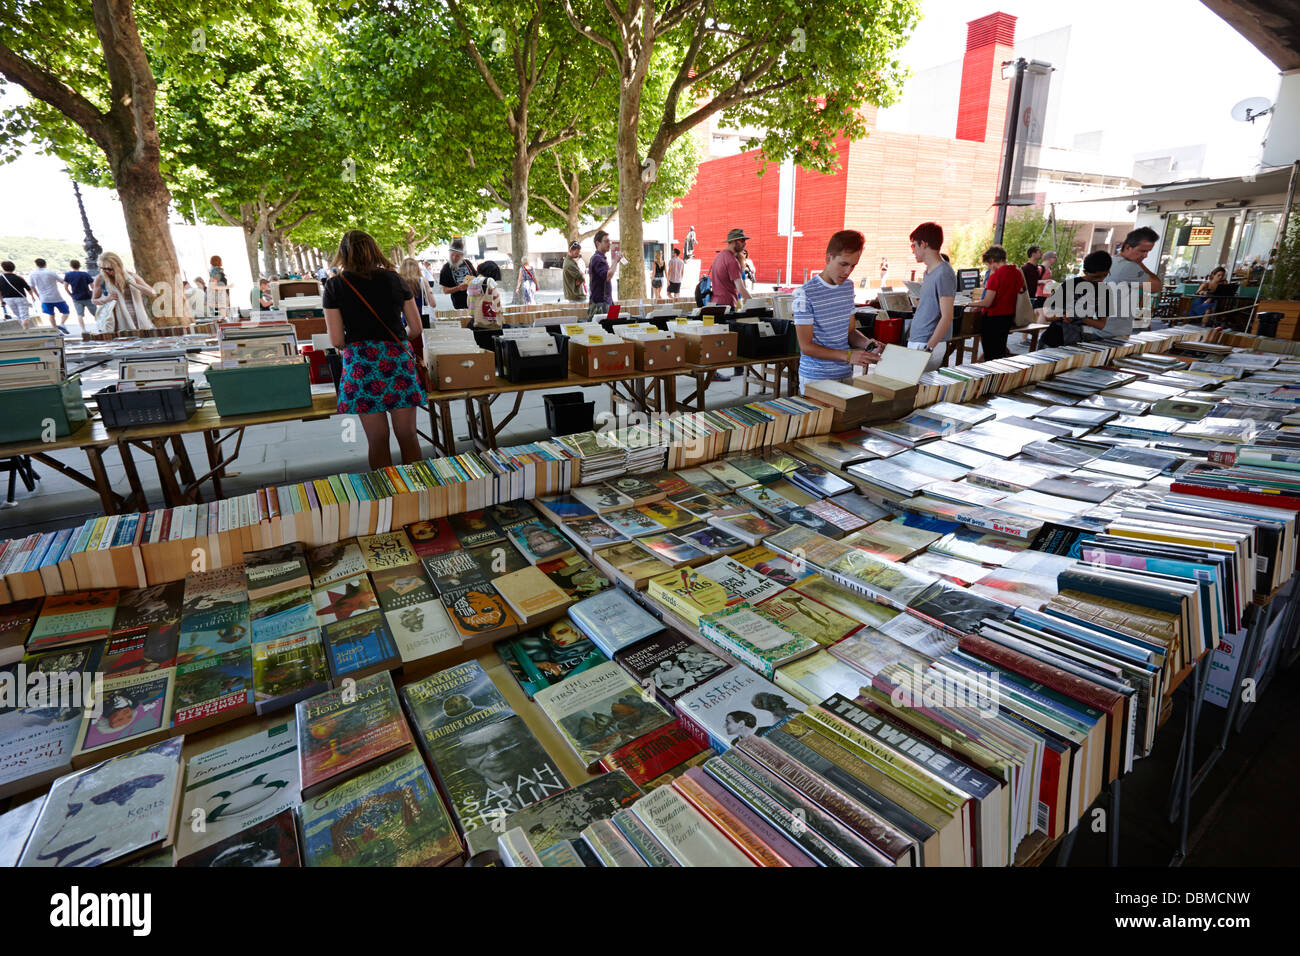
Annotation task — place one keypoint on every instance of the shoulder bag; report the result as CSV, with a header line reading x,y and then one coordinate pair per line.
x,y
1025,314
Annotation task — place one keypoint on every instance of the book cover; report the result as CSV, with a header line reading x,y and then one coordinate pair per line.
x,y
497,559
599,710
668,515
564,507
713,542
814,678
110,811
400,587
281,568
576,576
389,816
741,583
332,563
345,730
769,564
631,563
213,685
613,620
632,523
478,612
36,741
592,532
16,623
474,528
432,537
73,618
658,752
359,646
209,590
734,705
345,599
805,616
531,595
15,827
456,569
548,654
601,499
565,815
689,593
422,630
132,706
671,549
281,624
670,663
537,541
147,607
685,832
388,550
750,528
756,637
149,648
273,842
288,669
231,788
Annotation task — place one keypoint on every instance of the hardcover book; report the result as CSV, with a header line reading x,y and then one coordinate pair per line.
x,y
387,816
231,788
273,842
734,705
599,710
612,620
755,637
547,655
670,663
657,753
344,731
109,812
801,614
685,832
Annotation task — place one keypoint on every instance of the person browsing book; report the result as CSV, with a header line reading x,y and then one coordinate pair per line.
x,y
370,316
932,320
823,316
998,302
1077,304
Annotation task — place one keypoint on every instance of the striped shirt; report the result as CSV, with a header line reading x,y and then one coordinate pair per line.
x,y
829,310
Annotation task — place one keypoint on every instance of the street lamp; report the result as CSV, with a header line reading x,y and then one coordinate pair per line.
x,y
91,245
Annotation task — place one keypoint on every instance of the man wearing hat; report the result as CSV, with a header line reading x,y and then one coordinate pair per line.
x,y
725,273
455,275
575,285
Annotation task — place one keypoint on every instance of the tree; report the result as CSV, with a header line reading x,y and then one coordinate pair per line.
x,y
1024,228
101,90
801,71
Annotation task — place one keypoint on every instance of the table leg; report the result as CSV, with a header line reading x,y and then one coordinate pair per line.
x,y
183,459
162,458
448,429
107,498
214,463
140,502
668,394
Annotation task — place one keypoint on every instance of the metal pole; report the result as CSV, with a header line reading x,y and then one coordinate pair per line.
x,y
1008,158
789,239
91,244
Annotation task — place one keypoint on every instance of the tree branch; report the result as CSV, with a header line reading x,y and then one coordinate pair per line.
x,y
595,37
230,220
674,15
474,54
50,89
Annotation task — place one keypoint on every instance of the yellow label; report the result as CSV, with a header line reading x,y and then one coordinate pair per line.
x,y
682,321
708,320
593,340
573,330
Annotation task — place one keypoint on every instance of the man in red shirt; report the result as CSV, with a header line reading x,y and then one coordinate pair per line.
x,y
998,300
725,273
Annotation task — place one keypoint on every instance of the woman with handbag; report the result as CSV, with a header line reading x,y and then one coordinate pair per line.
x,y
998,301
371,319
118,296
526,284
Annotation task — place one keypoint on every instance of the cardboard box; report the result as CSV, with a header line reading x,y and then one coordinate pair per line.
x,y
464,370
709,348
594,359
658,354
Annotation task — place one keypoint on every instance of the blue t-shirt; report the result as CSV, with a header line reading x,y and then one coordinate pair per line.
x,y
79,282
940,281
829,310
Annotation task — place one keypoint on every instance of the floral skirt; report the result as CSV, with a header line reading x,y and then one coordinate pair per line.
x,y
378,377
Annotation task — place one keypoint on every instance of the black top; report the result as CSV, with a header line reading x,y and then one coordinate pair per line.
x,y
385,291
79,283
12,285
659,270
453,276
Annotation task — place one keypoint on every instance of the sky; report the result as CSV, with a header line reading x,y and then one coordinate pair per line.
x,y
1150,75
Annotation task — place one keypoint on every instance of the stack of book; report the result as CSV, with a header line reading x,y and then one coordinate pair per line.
x,y
29,358
254,344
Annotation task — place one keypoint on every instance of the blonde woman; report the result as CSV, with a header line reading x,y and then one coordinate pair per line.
x,y
411,274
126,290
657,277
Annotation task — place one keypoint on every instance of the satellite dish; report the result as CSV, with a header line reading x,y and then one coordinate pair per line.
x,y
1252,108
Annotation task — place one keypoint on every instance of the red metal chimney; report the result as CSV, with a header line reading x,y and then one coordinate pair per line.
x,y
982,109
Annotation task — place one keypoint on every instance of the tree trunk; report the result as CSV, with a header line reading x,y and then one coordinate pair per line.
x,y
268,254
519,205
145,201
250,246
631,193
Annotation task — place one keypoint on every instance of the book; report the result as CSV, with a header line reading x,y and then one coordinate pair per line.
x,y
231,788
134,708
670,664
16,623
284,622
15,827
389,550
538,541
631,564
601,499
564,815
733,705
749,528
344,731
332,563
712,541
631,523
592,532
548,654
575,576
639,490
803,615
659,752
474,529
212,689
148,607
532,596
769,564
478,613
288,669
956,609
342,600
563,508
689,594
486,759
37,738
738,582
671,549
110,812
755,637
390,815
213,633
685,832
139,650
599,710
209,590
271,570
359,646
612,620
72,618
272,842
431,537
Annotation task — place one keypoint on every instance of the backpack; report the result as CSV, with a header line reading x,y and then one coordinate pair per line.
x,y
704,291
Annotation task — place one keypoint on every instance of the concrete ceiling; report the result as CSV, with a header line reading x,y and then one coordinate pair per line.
x,y
1273,26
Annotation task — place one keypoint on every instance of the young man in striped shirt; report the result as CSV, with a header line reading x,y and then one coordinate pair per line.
x,y
823,316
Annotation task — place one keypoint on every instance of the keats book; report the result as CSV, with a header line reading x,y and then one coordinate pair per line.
x,y
343,731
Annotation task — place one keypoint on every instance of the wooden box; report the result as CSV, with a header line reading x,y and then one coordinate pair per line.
x,y
465,370
709,348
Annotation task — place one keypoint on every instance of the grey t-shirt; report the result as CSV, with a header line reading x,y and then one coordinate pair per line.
x,y
46,284
1125,280
939,281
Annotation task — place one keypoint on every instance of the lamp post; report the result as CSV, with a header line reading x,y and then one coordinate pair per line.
x,y
91,244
